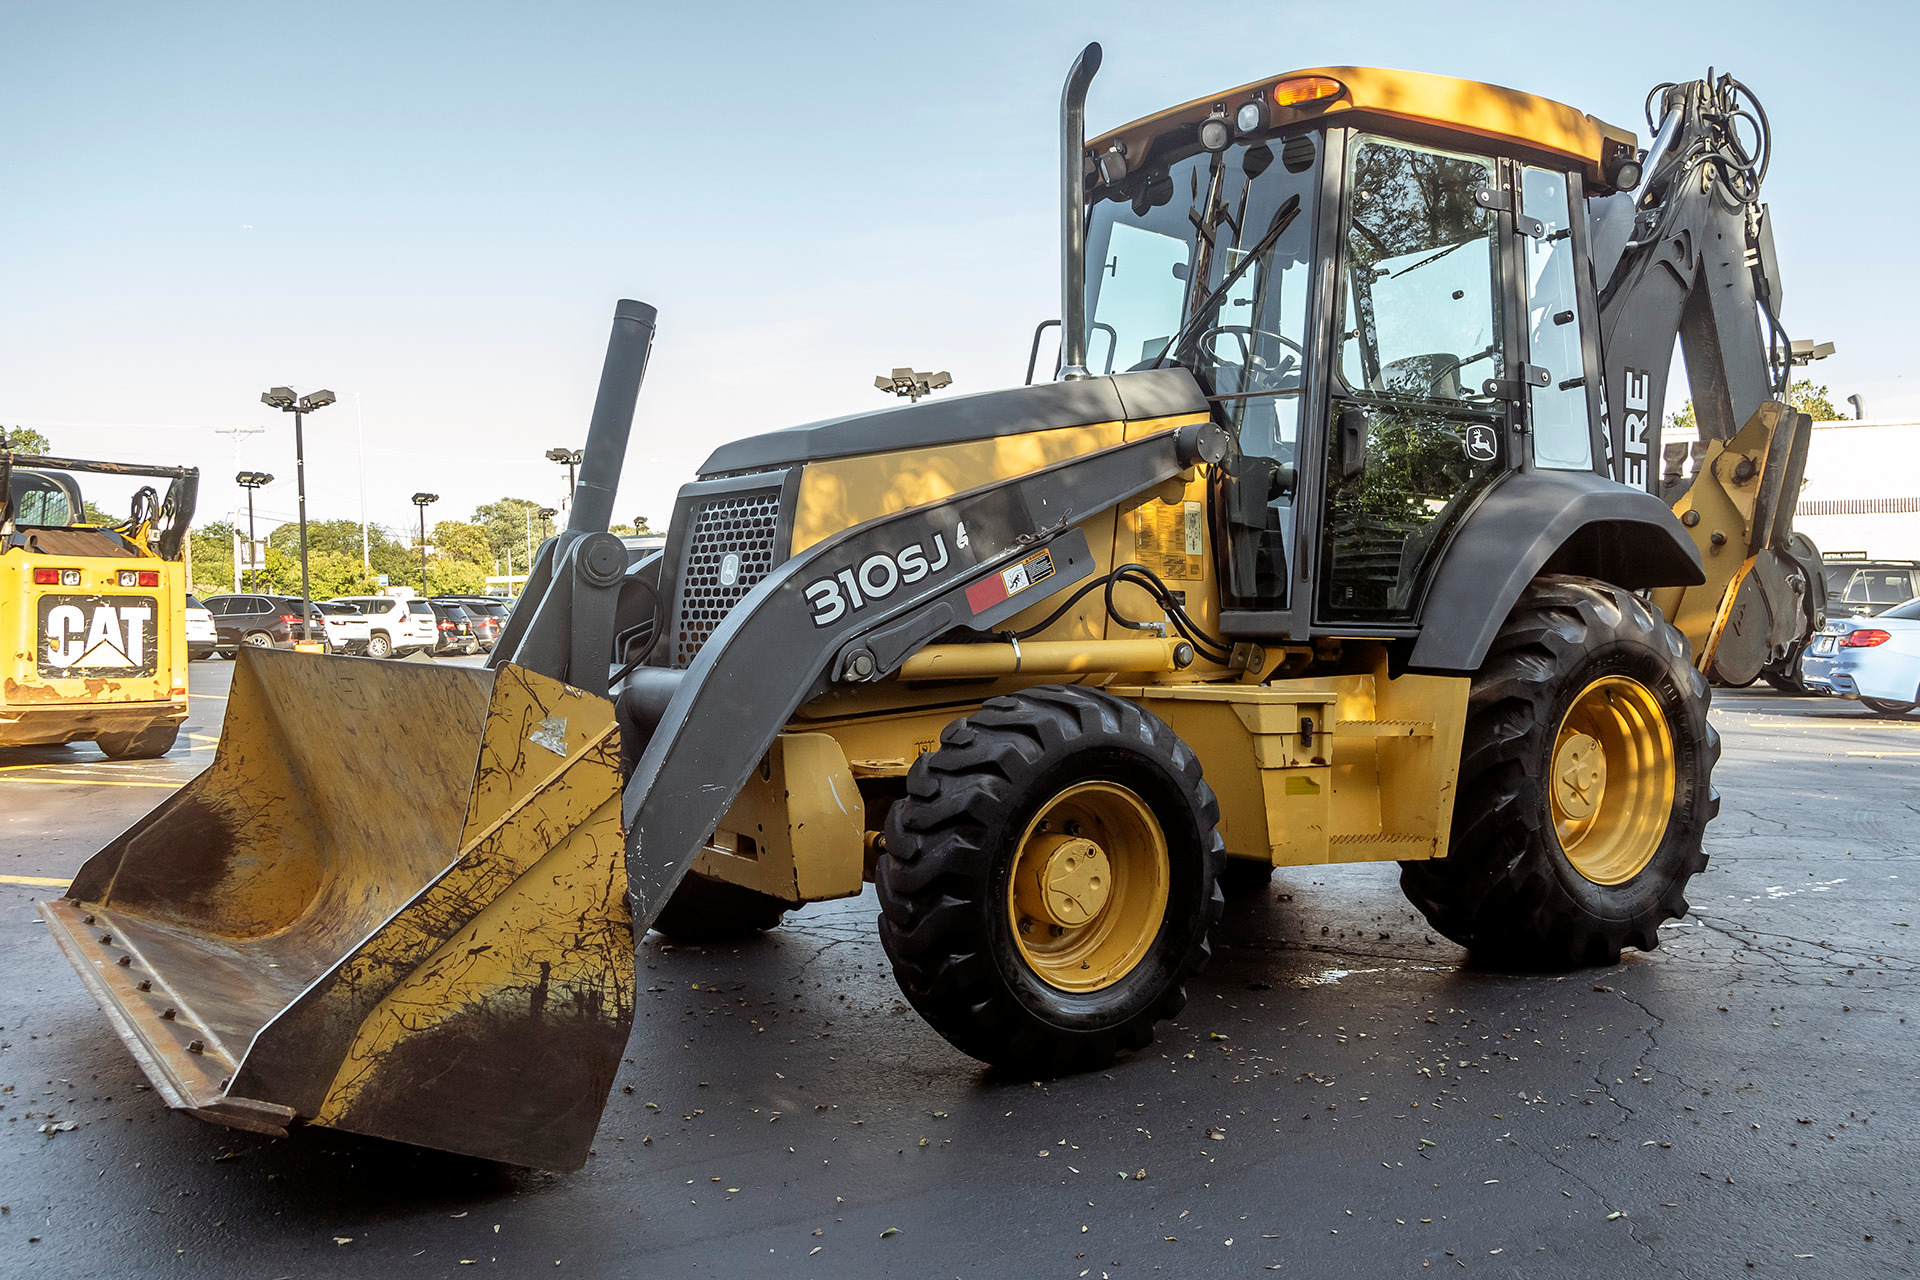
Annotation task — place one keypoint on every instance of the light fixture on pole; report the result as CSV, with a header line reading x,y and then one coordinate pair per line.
x,y
251,480
570,459
546,522
913,384
422,500
283,399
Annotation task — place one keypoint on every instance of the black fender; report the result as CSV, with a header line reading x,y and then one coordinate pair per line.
x,y
1535,522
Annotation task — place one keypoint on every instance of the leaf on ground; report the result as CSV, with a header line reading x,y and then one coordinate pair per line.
x,y
890,1231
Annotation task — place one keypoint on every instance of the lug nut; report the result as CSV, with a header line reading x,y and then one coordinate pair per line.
x,y
195,1046
146,984
166,1014
126,961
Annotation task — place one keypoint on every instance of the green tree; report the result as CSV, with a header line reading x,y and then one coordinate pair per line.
x,y
213,557
511,524
24,440
1801,394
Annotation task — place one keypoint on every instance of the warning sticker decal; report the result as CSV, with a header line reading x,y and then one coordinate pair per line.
x,y
1169,538
988,592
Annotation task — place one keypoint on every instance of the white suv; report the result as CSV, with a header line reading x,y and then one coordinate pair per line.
x,y
393,627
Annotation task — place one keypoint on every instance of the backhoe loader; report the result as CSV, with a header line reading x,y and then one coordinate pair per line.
x,y
1352,549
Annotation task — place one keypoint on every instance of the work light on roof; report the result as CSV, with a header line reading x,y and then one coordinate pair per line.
x,y
1215,132
1251,117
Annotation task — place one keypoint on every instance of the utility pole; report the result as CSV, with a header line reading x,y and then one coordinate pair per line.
x,y
366,549
238,434
570,459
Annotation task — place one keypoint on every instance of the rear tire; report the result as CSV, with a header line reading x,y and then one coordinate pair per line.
x,y
258,639
1050,879
702,909
1885,707
1583,674
1786,675
378,646
141,744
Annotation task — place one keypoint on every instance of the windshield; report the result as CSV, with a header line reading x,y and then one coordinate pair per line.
x,y
1205,261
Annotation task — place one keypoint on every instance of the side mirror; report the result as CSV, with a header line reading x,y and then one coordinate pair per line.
x,y
1350,442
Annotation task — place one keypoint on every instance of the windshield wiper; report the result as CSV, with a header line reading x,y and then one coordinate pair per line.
x,y
1282,219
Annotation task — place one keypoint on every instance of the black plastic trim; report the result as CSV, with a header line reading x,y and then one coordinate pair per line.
x,y
1533,522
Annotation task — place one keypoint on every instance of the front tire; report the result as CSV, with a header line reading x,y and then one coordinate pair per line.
x,y
378,646
258,640
1050,879
1585,784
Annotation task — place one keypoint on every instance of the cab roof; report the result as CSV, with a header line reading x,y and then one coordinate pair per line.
x,y
1429,102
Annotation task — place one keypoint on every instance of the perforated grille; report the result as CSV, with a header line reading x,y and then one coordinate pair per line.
x,y
742,525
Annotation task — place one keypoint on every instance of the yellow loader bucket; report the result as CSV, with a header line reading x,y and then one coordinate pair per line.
x,y
396,903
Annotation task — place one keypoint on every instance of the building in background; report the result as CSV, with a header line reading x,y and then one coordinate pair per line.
x,y
1862,491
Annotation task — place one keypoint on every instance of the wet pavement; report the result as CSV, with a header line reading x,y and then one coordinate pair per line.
x,y
1343,1095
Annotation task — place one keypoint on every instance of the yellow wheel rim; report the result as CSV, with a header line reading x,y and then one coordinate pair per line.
x,y
1088,889
1612,780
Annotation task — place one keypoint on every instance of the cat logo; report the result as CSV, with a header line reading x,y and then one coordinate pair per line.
x,y
97,636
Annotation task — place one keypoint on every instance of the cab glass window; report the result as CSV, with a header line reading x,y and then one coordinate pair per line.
x,y
1561,438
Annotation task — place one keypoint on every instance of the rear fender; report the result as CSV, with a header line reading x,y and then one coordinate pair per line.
x,y
1536,522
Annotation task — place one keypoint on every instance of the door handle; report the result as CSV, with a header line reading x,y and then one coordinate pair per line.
x,y
1350,444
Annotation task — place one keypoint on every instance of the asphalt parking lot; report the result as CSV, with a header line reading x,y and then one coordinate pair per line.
x,y
1343,1096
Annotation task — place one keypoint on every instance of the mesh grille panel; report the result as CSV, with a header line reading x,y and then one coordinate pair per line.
x,y
741,526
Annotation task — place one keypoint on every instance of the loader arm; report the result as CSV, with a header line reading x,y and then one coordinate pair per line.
x,y
1690,255
802,628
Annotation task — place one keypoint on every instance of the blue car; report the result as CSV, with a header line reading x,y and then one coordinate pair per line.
x,y
1876,660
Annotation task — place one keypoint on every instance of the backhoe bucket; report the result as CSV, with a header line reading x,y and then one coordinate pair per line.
x,y
396,903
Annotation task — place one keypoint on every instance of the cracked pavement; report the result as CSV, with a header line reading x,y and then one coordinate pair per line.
x,y
1344,1095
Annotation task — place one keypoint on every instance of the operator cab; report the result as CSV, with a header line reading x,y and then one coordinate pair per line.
x,y
1372,274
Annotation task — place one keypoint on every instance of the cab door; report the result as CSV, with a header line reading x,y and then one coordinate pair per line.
x,y
1420,406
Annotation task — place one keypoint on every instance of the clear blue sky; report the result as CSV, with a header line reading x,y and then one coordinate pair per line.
x,y
435,206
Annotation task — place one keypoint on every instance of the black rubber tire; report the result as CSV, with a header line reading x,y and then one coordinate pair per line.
x,y
258,639
1887,707
1506,890
1243,877
950,846
379,645
144,744
702,909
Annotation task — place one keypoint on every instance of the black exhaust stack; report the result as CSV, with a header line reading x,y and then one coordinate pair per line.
x,y
1073,214
563,624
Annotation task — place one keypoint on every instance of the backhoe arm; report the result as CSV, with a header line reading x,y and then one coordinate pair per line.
x,y
1690,255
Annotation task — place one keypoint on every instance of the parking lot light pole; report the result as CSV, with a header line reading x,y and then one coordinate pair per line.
x,y
251,480
570,459
421,500
282,398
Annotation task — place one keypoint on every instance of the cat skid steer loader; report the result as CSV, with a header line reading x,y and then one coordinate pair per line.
x,y
1344,554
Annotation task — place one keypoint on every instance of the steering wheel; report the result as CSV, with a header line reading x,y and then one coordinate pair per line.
x,y
1261,376
1454,367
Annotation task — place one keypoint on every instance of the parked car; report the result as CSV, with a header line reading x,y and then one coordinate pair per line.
x,y
264,621
203,638
455,626
1861,588
489,617
346,630
1874,659
394,629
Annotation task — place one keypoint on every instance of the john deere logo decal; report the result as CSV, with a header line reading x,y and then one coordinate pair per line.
x,y
83,636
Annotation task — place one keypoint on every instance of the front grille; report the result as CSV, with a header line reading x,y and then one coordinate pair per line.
x,y
744,524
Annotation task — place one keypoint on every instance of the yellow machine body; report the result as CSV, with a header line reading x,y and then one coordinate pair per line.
x,y
94,651
1345,768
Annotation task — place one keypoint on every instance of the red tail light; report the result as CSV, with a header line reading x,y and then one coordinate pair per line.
x,y
1864,638
289,618
149,578
46,577
446,626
